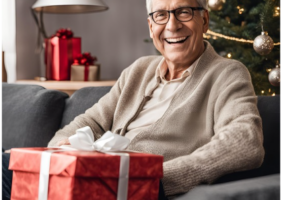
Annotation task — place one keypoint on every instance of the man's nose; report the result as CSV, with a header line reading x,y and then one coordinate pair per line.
x,y
173,24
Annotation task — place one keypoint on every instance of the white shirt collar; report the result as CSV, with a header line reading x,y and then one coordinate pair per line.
x,y
162,69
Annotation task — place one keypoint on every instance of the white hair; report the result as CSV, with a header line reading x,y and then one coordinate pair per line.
x,y
202,3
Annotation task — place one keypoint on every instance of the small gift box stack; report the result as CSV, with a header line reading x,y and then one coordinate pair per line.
x,y
97,173
61,50
84,69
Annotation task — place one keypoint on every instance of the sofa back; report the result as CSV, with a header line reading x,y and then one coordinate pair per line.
x,y
80,101
30,115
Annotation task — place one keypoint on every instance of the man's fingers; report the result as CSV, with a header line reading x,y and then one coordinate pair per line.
x,y
64,142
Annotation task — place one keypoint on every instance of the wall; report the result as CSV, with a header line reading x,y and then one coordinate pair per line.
x,y
115,37
27,66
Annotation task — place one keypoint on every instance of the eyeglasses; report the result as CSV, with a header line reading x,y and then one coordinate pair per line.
x,y
183,14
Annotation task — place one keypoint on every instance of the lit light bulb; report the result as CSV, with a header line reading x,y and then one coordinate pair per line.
x,y
276,12
229,55
240,10
262,91
268,70
273,94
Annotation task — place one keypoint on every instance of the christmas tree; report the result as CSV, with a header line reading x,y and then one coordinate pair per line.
x,y
234,27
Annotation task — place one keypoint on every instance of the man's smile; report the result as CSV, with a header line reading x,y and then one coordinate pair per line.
x,y
176,40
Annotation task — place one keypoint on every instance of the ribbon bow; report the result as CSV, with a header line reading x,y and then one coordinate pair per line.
x,y
64,33
84,140
85,59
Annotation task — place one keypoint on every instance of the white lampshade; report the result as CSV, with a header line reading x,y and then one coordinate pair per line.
x,y
69,6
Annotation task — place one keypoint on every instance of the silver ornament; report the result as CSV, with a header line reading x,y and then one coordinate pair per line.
x,y
215,4
263,44
274,76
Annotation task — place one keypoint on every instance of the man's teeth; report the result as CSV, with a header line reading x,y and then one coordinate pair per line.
x,y
175,40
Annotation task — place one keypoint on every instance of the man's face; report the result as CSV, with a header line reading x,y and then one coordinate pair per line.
x,y
163,36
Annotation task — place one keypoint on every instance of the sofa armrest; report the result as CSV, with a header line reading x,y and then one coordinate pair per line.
x,y
266,187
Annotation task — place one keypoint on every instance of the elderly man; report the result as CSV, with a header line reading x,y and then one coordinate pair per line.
x,y
190,105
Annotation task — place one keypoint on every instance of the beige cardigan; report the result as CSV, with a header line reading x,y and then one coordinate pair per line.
x,y
212,126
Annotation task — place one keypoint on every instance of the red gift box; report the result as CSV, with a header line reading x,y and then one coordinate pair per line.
x,y
76,175
60,51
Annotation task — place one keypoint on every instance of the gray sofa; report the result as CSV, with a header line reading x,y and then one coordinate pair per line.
x,y
32,114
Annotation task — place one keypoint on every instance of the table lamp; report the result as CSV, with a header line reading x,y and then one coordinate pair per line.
x,y
65,7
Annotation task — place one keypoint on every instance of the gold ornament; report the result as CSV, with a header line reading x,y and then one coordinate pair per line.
x,y
274,76
216,4
263,44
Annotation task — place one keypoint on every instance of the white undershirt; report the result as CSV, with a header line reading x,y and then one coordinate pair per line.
x,y
160,101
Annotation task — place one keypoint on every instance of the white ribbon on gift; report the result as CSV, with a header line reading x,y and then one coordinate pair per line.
x,y
84,140
44,174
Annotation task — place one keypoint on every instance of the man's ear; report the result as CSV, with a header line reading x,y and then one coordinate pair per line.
x,y
206,19
150,27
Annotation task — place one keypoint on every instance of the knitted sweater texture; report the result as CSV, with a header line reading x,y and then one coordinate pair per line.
x,y
212,126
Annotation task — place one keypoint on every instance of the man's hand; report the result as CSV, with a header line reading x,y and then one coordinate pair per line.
x,y
63,142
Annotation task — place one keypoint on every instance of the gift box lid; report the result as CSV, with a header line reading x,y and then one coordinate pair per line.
x,y
86,163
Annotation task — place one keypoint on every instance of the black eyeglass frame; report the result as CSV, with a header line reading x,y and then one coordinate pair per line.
x,y
173,11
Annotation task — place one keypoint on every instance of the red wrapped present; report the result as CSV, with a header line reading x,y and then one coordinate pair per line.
x,y
76,175
85,69
60,51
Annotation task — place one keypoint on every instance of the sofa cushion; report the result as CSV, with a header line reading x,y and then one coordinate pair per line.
x,y
31,115
260,188
81,100
269,109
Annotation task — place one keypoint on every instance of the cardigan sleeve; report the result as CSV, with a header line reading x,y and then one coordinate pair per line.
x,y
237,141
99,117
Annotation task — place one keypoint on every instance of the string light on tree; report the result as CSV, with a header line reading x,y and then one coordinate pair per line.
x,y
212,33
229,55
274,76
216,5
240,10
263,44
276,11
